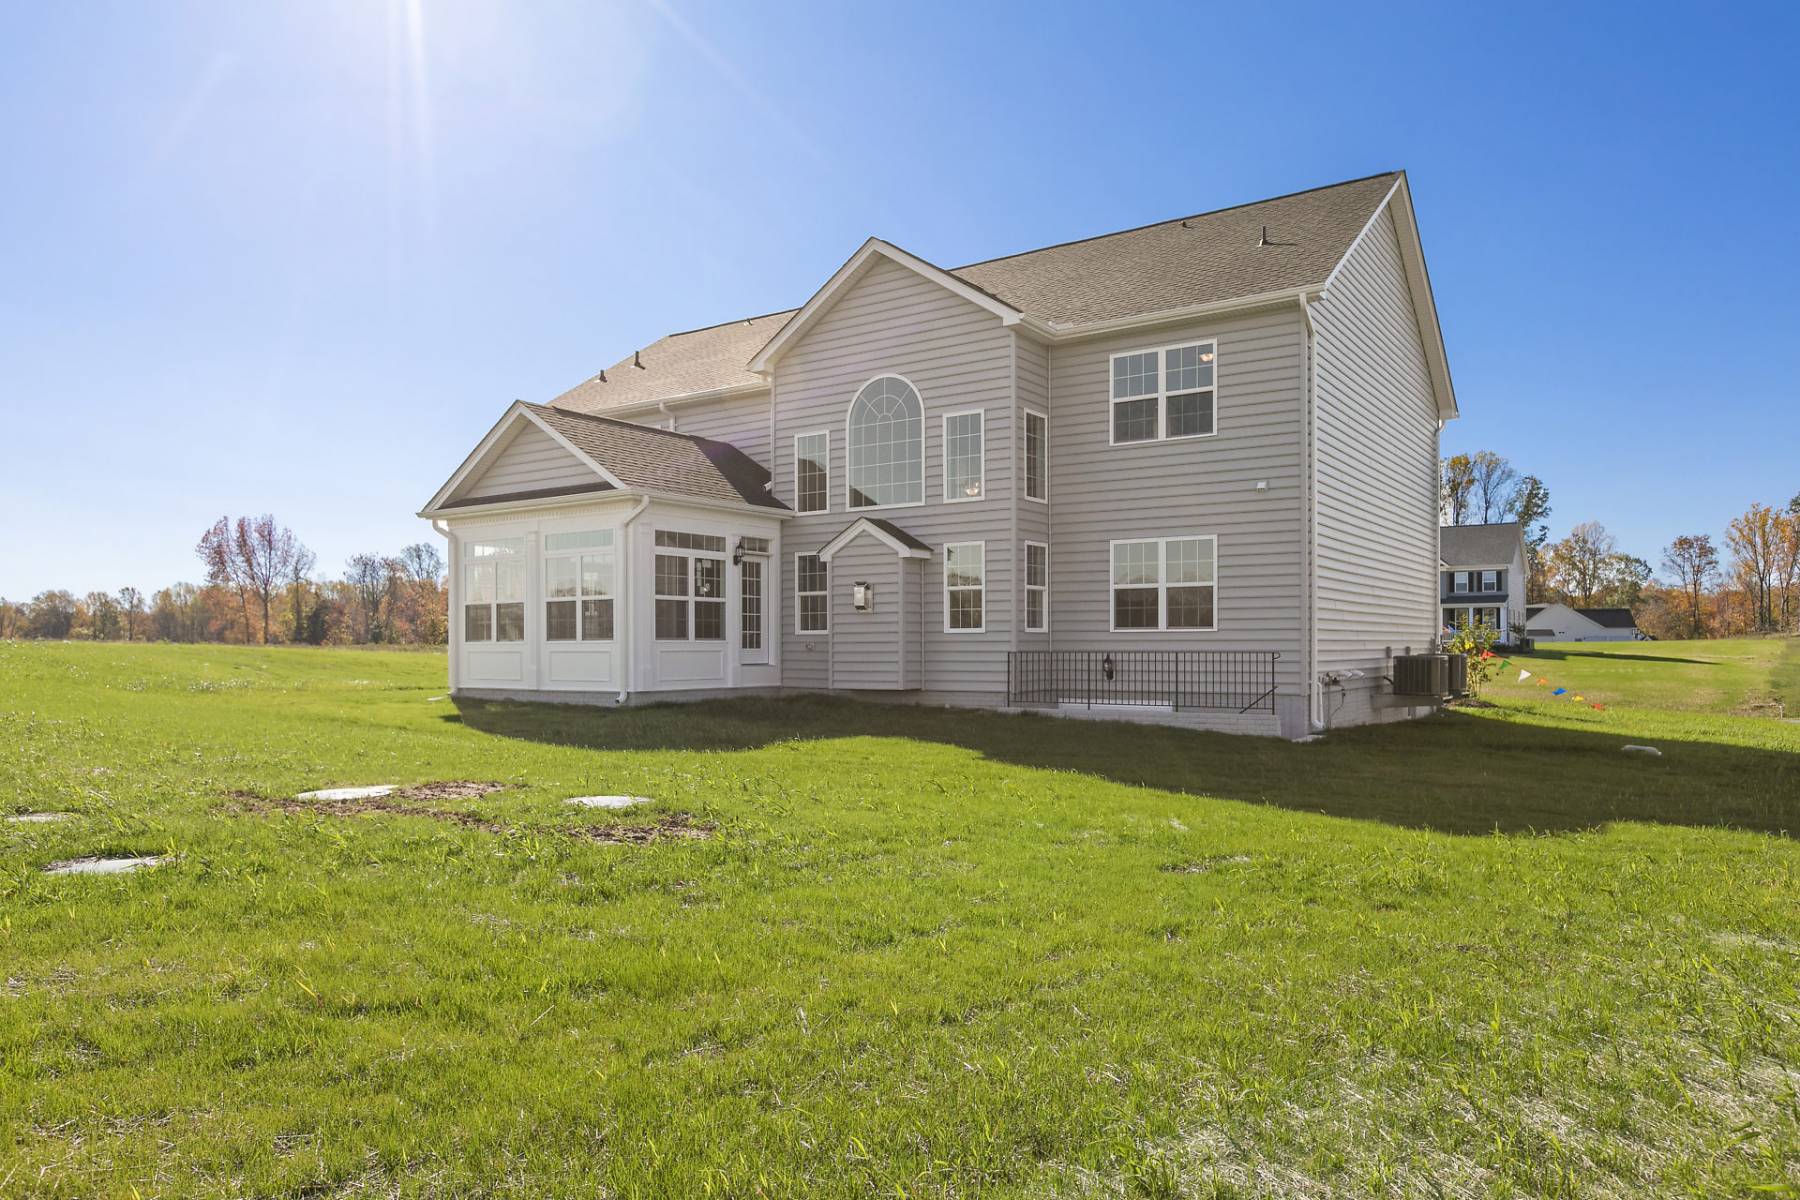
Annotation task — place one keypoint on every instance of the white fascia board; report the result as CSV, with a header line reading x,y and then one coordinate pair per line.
x,y
1418,278
580,498
825,297
491,441
861,526
636,406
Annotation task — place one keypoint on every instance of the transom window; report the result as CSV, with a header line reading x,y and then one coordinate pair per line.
x,y
812,472
578,586
690,587
1165,583
965,587
1163,394
886,460
811,598
494,590
1037,456
963,456
1037,587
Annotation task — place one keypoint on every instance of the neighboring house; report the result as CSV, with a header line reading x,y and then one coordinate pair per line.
x,y
1184,472
1484,577
1561,623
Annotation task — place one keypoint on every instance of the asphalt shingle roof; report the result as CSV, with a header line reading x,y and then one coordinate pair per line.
x,y
1478,545
657,460
1611,618
1206,258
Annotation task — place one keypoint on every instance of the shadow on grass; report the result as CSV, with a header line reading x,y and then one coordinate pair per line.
x,y
1559,655
1453,773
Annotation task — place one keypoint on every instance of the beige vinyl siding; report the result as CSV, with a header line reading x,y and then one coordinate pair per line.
x,y
868,649
1100,493
1032,359
741,420
1377,446
532,460
892,321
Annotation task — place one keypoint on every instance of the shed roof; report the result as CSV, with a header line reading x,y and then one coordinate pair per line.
x,y
1490,545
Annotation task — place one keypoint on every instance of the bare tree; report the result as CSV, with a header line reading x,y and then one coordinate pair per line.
x,y
1693,561
423,562
1458,482
1494,481
368,576
251,555
299,568
1582,563
217,551
131,607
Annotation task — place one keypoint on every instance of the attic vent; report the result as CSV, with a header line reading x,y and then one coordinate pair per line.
x,y
637,361
1264,239
601,377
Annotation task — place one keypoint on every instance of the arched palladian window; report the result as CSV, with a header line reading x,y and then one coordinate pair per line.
x,y
887,445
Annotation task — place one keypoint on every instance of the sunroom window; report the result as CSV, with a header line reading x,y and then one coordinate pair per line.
x,y
690,586
1165,583
578,586
1163,394
494,590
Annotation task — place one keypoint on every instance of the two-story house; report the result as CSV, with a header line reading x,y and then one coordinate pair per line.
x,y
1184,472
1484,577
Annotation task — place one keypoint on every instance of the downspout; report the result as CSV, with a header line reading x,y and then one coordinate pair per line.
x,y
1315,691
631,590
452,594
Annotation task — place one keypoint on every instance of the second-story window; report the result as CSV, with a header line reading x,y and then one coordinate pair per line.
x,y
812,472
886,450
963,456
1163,394
1037,456
1490,581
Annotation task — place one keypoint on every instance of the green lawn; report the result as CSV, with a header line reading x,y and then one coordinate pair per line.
x,y
922,953
1740,675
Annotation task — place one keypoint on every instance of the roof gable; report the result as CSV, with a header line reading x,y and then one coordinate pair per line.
x,y
902,543
845,277
621,457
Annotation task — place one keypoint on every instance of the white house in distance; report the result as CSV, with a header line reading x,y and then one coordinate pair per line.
x,y
1484,576
1185,472
1561,623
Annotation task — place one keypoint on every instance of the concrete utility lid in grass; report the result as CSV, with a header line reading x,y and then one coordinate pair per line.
x,y
609,801
349,793
100,866
39,818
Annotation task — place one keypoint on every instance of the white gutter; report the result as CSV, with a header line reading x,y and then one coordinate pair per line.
x,y
630,595
1309,587
780,514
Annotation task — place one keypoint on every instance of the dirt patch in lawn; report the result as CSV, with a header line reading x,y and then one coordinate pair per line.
x,y
413,802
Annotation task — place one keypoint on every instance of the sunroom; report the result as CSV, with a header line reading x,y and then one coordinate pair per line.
x,y
593,559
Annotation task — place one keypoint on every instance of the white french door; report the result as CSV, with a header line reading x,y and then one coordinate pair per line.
x,y
753,610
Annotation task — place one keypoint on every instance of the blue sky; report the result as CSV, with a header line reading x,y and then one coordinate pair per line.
x,y
298,257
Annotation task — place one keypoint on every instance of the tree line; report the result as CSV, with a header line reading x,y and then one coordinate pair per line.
x,y
260,586
1747,583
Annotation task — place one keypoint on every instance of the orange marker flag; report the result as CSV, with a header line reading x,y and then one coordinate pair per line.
x,y
1542,682
1599,708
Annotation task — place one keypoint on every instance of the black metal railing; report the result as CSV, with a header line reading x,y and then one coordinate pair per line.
x,y
1239,680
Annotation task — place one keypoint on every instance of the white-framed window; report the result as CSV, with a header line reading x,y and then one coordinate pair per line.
x,y
1165,583
965,587
965,456
1162,394
885,455
1490,581
812,472
812,594
1037,455
494,590
1037,587
690,586
1459,582
1458,618
750,603
579,586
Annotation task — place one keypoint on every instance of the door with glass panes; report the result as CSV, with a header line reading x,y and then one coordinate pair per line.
x,y
754,629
